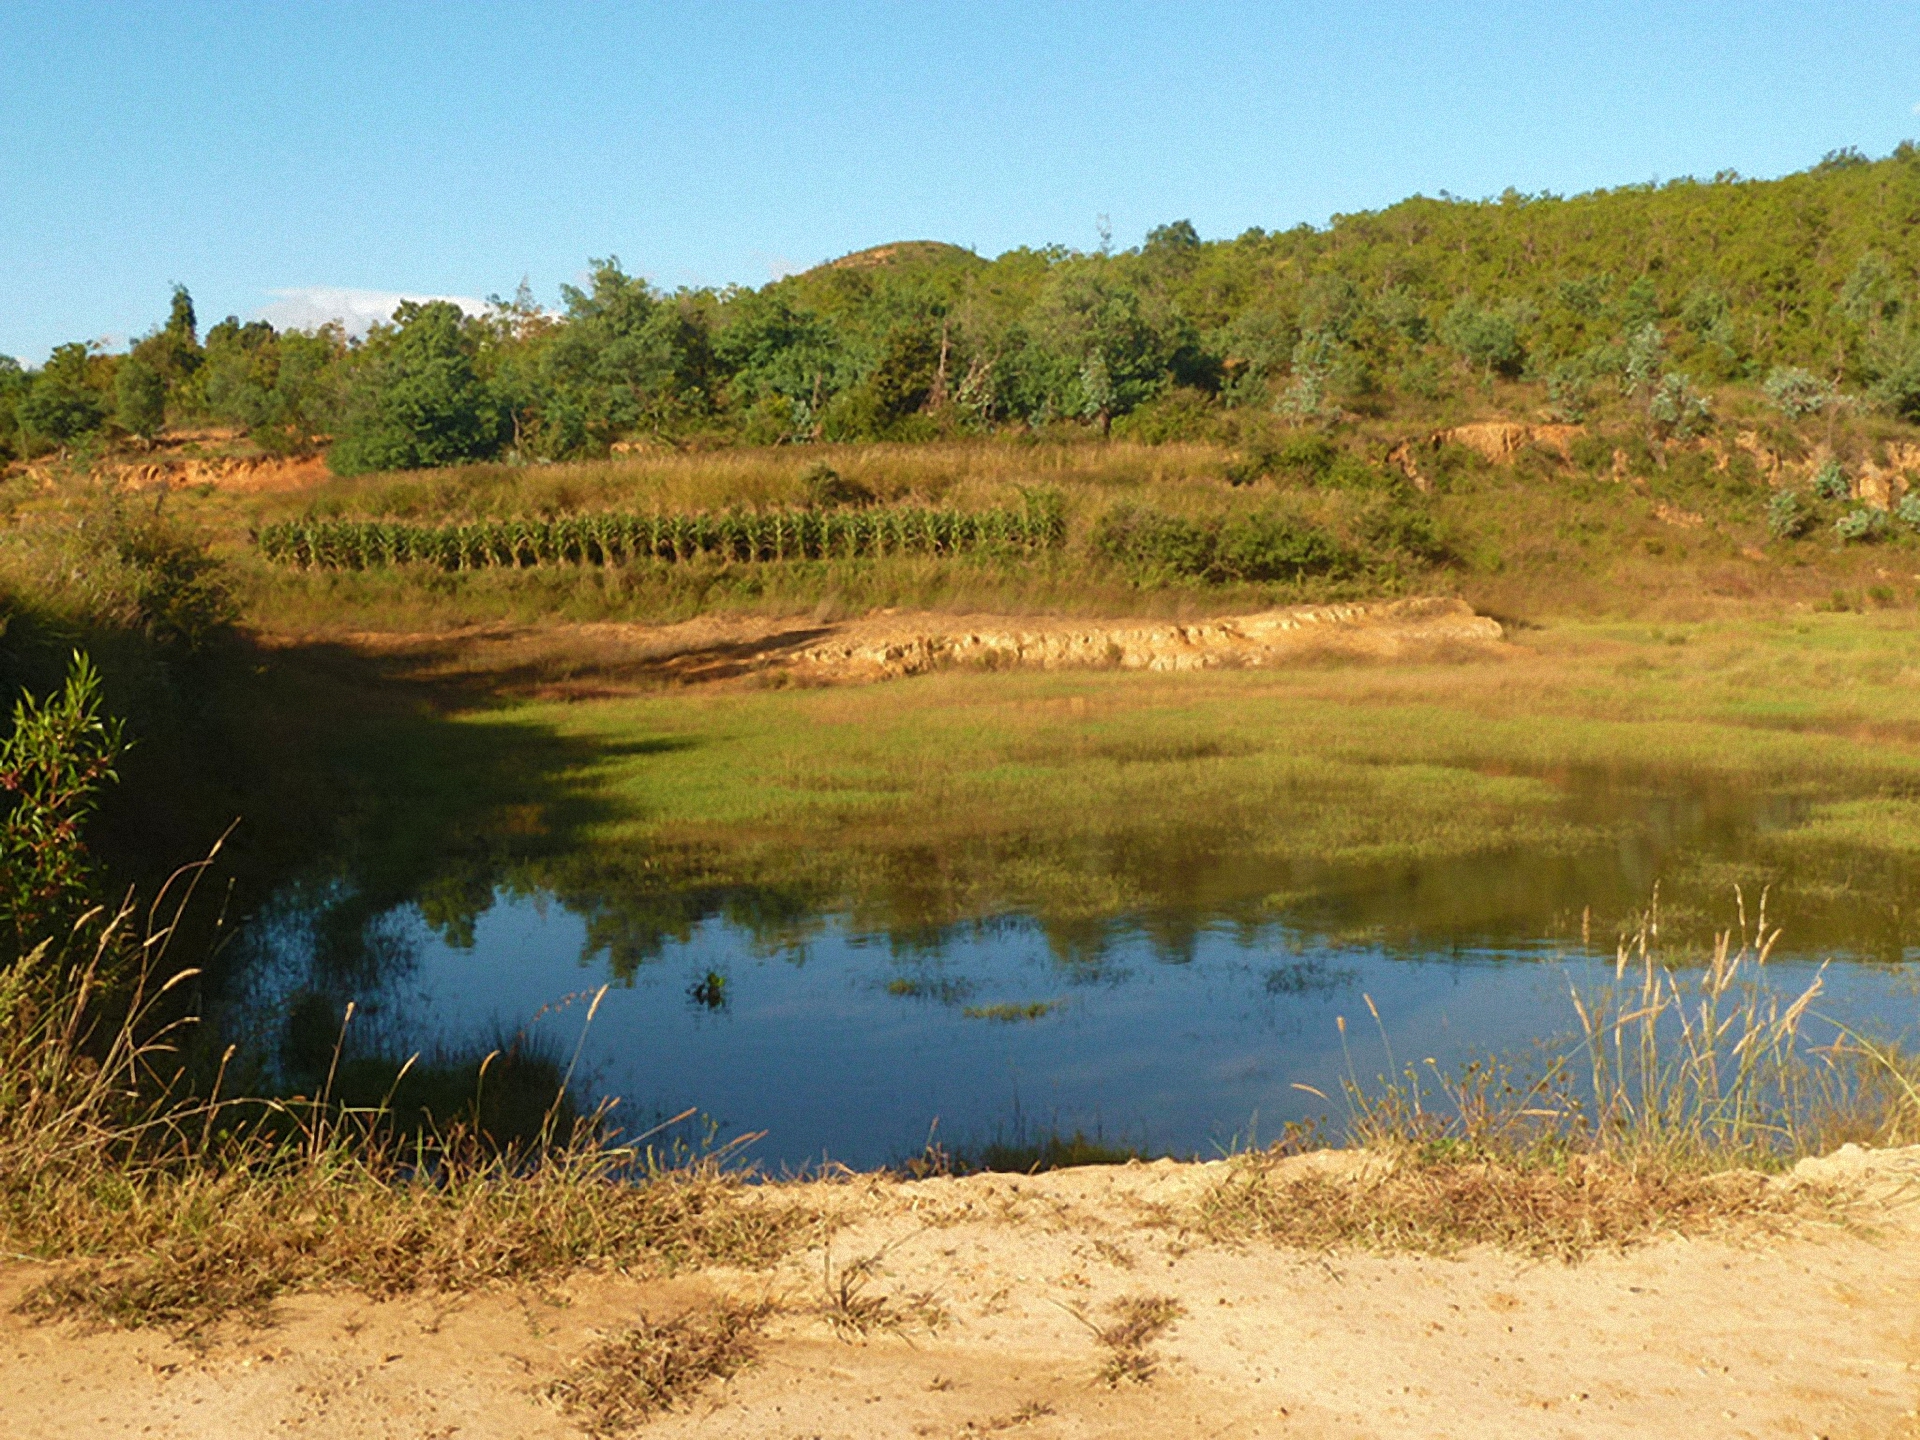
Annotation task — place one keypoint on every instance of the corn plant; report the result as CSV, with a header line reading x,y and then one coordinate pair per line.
x,y
744,537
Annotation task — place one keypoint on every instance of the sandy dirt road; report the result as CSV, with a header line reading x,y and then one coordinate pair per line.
x,y
998,1286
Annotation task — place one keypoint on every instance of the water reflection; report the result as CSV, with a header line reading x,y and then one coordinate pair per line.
x,y
845,1025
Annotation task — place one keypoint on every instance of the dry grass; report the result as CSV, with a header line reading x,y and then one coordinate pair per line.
x,y
657,1365
180,1211
1560,1212
1139,1321
207,1242
1694,1085
853,1311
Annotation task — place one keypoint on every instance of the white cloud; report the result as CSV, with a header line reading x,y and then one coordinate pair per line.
x,y
778,266
302,307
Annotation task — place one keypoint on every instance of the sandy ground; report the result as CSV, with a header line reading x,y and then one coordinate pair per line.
x,y
1816,1334
578,661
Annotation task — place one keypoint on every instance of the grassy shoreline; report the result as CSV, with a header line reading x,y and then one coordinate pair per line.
x,y
942,797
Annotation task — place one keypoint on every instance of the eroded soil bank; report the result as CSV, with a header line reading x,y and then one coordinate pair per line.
x,y
987,1305
592,658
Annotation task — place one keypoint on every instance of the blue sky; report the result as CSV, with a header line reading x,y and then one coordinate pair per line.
x,y
296,159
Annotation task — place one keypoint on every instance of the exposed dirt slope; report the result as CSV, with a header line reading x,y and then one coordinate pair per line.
x,y
588,659
1811,1334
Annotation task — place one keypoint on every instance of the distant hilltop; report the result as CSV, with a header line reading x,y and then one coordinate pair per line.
x,y
1665,302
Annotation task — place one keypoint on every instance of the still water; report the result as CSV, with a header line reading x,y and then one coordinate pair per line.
x,y
1177,1033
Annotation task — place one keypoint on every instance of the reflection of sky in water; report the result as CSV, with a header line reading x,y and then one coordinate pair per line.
x,y
814,1049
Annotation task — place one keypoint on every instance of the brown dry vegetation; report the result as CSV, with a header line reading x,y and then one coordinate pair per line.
x,y
625,1379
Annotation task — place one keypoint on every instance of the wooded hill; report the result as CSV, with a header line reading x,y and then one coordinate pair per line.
x,y
1652,295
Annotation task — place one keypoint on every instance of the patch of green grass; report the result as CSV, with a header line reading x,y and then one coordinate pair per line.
x,y
1077,796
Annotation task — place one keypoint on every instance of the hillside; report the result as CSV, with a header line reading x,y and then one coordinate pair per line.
x,y
1657,300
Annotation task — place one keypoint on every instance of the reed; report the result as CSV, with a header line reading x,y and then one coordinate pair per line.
x,y
1684,1086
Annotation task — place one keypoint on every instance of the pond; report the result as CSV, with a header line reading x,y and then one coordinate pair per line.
x,y
850,1032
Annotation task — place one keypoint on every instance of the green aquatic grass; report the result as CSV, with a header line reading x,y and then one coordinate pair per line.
x,y
1081,795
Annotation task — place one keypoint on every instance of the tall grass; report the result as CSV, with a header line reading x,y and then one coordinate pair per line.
x,y
1685,1085
1694,1066
178,1206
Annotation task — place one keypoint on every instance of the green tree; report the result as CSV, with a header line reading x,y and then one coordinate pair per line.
x,y
173,351
415,398
140,398
771,347
626,358
13,389
1488,340
62,404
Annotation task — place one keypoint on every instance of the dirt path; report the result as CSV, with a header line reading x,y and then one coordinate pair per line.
x,y
596,658
991,1292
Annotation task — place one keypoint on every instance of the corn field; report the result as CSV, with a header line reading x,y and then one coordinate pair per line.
x,y
620,539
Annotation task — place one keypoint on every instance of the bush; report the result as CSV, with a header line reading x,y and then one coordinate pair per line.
x,y
1797,393
1183,413
1308,459
1253,548
827,489
1907,512
1787,516
1677,408
1860,525
104,563
53,762
1831,482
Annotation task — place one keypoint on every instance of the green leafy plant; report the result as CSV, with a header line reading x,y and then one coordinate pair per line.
x,y
1830,482
1798,393
1860,525
53,762
1788,516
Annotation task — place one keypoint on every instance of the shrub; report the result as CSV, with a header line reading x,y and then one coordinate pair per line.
x,y
827,489
1272,547
1262,547
1860,525
1907,512
1787,516
101,562
1797,393
1182,413
1831,482
53,762
1306,459
1677,408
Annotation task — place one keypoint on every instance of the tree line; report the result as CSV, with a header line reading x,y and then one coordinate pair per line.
x,y
1804,284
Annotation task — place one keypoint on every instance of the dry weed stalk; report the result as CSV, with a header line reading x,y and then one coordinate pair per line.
x,y
853,1313
626,1379
1139,1321
1693,1085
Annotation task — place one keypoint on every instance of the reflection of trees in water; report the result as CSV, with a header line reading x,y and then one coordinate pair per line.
x,y
1165,884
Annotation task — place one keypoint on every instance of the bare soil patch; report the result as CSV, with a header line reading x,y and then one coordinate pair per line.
x,y
593,659
1077,1303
